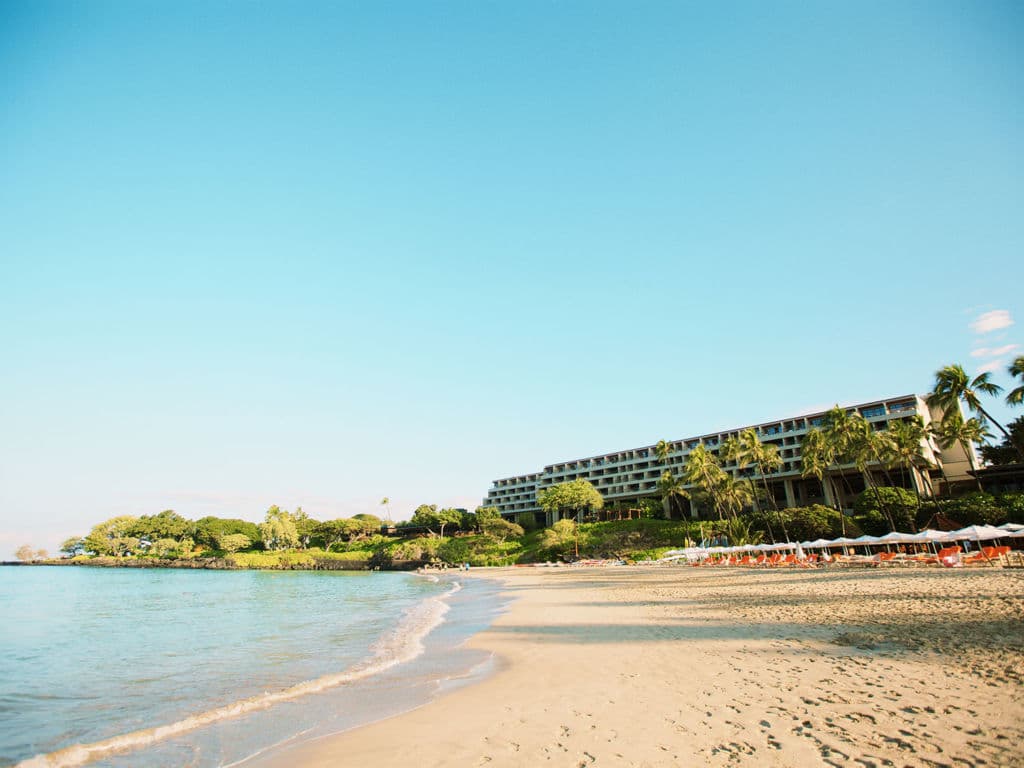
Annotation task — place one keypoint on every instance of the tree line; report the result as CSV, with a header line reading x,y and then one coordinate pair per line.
x,y
170,535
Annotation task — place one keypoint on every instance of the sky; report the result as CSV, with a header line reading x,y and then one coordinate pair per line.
x,y
317,254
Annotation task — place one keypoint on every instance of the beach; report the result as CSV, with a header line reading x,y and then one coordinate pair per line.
x,y
632,666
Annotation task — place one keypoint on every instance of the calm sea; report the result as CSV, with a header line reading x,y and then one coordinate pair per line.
x,y
155,667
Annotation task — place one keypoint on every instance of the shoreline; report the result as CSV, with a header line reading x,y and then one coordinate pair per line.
x,y
214,564
675,666
401,669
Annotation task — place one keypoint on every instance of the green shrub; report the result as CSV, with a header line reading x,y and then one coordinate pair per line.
x,y
898,502
527,521
1013,503
479,550
502,529
455,550
420,548
357,544
352,556
272,560
650,554
819,522
976,508
873,523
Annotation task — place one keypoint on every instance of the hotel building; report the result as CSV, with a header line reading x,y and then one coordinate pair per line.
x,y
625,477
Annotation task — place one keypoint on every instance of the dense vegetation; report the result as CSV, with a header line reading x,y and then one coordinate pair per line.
x,y
294,540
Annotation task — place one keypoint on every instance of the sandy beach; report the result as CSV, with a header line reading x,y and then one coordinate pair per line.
x,y
687,666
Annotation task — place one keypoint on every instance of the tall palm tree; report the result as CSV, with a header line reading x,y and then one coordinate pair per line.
x,y
953,386
661,451
905,448
672,492
702,470
732,494
733,451
961,432
838,432
748,449
863,449
1016,369
816,456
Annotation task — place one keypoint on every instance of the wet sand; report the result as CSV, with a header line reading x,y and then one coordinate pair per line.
x,y
695,666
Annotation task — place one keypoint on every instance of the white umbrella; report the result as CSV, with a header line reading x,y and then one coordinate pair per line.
x,y
977,533
929,536
1011,527
865,541
896,537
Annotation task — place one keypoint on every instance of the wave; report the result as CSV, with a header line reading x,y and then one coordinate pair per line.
x,y
403,643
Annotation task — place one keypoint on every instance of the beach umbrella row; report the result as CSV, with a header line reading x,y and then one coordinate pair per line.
x,y
970,533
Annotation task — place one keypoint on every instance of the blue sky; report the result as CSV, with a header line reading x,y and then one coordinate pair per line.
x,y
255,254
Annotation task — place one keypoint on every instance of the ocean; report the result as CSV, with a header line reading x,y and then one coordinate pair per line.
x,y
165,667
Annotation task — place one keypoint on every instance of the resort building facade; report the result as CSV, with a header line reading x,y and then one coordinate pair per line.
x,y
625,477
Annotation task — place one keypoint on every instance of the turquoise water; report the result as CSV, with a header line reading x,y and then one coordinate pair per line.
x,y
224,664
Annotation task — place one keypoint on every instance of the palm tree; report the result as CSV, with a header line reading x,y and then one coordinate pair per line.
x,y
732,450
702,470
905,448
1016,395
819,452
662,450
953,386
748,449
838,432
816,457
863,448
732,494
952,432
739,533
671,491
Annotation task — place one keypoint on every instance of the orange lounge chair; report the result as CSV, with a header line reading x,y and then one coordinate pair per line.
x,y
986,555
949,557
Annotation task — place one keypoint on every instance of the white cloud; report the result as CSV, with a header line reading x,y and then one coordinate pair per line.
x,y
993,351
990,366
992,321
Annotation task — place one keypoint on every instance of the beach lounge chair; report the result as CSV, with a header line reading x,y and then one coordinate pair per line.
x,y
990,555
949,557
